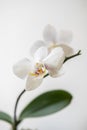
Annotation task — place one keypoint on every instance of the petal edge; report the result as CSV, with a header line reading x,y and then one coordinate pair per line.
x,y
22,68
33,83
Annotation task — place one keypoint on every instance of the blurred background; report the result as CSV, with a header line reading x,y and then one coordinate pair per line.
x,y
22,23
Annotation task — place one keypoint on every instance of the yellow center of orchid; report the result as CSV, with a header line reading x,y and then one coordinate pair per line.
x,y
40,70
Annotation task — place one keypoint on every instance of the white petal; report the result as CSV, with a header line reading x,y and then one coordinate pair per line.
x,y
65,37
36,46
67,49
32,83
22,68
41,53
50,33
54,61
57,73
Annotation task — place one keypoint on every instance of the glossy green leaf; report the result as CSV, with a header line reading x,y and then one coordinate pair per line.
x,y
5,117
47,103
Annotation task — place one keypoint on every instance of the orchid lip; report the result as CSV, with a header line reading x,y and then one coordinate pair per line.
x,y
40,70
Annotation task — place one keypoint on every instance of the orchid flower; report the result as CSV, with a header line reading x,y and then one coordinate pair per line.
x,y
52,40
41,63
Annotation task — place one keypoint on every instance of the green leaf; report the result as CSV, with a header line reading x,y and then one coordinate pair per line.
x,y
5,117
47,103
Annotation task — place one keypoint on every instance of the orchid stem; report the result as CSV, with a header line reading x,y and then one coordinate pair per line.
x,y
15,110
67,58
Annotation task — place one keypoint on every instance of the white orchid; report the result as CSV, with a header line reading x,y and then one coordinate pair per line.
x,y
52,40
41,64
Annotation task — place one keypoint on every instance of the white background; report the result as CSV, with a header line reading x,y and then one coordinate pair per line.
x,y
22,23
